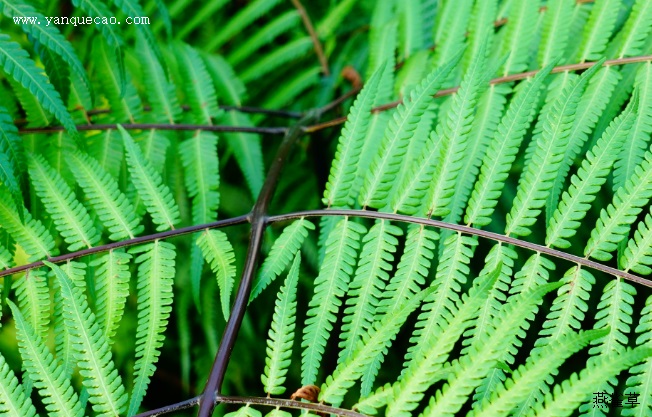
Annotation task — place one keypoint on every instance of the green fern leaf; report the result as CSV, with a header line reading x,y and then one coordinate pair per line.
x,y
386,163
633,151
615,313
9,180
366,287
638,254
375,341
539,174
198,85
343,168
614,221
160,91
421,371
111,205
449,38
280,256
586,183
636,29
55,389
276,27
537,368
217,251
281,333
155,292
111,290
467,374
18,65
566,397
126,105
28,232
239,22
13,401
593,102
155,194
641,374
70,217
273,60
534,272
330,285
33,297
506,142
454,133
519,35
11,143
101,379
247,150
556,27
47,35
598,30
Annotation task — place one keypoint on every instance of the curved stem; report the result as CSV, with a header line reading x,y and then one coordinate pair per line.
x,y
258,223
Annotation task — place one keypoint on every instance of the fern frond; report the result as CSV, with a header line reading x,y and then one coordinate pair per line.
x,y
198,86
47,35
627,203
505,143
111,205
199,159
13,401
56,392
452,272
549,150
278,413
70,217
160,91
367,285
28,232
615,313
379,337
636,29
281,333
519,34
247,151
412,269
641,374
598,30
467,374
593,102
11,143
421,370
450,38
111,290
228,86
272,61
276,27
330,285
633,150
238,22
155,194
569,307
537,368
535,272
586,183
556,27
386,162
218,252
33,297
566,397
101,379
285,247
638,254
9,180
344,165
155,284
18,65
454,133
106,148
125,103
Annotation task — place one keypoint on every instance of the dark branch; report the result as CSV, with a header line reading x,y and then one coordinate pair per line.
x,y
129,242
258,224
163,126
313,36
469,231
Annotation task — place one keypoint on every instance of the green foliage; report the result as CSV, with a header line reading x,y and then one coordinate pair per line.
x,y
455,170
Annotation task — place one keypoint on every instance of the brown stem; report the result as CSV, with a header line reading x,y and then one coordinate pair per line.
x,y
163,126
313,35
